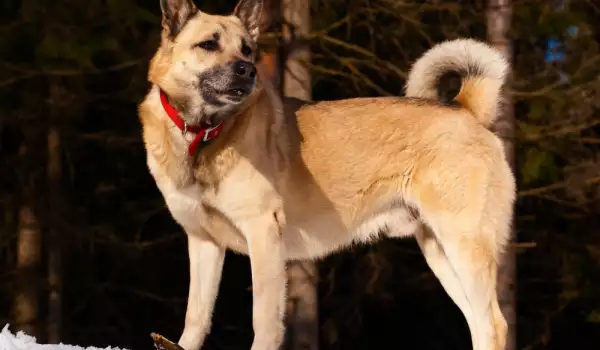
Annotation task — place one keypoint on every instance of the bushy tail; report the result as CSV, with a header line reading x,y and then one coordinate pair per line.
x,y
482,68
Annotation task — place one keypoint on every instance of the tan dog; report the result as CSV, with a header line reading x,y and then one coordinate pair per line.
x,y
239,169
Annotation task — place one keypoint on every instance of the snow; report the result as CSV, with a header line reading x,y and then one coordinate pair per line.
x,y
22,341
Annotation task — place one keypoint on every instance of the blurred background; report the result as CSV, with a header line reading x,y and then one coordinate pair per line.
x,y
89,254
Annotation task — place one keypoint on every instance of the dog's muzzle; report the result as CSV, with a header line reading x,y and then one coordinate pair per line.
x,y
243,80
230,83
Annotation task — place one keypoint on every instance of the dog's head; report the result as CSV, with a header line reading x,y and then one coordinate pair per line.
x,y
205,63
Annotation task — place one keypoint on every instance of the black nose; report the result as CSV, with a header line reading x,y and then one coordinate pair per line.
x,y
244,69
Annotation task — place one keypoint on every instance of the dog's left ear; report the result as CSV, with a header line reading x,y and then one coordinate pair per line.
x,y
175,14
250,13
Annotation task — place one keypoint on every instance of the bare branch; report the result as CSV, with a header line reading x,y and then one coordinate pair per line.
x,y
553,187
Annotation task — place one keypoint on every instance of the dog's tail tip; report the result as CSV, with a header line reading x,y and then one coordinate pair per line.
x,y
483,70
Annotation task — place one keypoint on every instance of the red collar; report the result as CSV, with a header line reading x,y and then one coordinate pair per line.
x,y
203,135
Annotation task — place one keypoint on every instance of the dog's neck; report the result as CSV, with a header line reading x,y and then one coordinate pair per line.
x,y
203,134
195,137
169,146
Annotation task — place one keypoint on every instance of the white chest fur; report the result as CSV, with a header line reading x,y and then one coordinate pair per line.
x,y
236,203
183,203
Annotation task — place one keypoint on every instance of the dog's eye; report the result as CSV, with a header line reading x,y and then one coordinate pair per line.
x,y
246,50
209,45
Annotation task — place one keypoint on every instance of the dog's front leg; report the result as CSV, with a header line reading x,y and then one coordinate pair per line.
x,y
265,246
206,266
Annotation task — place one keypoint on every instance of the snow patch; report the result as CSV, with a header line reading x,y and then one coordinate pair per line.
x,y
22,341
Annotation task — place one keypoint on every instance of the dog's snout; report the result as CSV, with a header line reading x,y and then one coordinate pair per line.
x,y
244,69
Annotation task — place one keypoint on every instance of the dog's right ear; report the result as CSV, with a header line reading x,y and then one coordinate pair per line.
x,y
175,14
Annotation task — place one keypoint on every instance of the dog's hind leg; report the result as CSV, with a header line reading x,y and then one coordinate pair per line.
x,y
463,252
469,218
206,266
440,265
473,262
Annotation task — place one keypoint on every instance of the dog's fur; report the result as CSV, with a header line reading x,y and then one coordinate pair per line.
x,y
297,180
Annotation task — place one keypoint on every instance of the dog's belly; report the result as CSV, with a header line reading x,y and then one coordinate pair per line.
x,y
314,235
318,237
323,235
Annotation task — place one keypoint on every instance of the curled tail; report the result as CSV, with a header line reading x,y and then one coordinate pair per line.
x,y
482,68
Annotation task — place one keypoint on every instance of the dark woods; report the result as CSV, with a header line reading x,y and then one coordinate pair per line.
x,y
89,254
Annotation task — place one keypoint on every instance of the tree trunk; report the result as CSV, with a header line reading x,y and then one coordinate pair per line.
x,y
302,303
26,308
499,17
54,323
296,78
272,57
26,297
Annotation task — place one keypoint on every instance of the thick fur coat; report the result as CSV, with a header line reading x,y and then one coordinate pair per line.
x,y
293,180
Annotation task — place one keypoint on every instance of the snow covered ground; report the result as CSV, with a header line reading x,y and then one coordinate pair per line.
x,y
22,341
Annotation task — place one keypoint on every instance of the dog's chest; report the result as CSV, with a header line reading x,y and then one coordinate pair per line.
x,y
182,201
185,206
199,214
241,197
244,196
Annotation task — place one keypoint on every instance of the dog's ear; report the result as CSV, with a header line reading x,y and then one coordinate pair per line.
x,y
250,13
175,14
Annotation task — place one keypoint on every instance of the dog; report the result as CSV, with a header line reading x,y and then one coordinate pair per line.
x,y
277,179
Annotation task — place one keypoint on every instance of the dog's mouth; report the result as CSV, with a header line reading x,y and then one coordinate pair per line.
x,y
237,93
